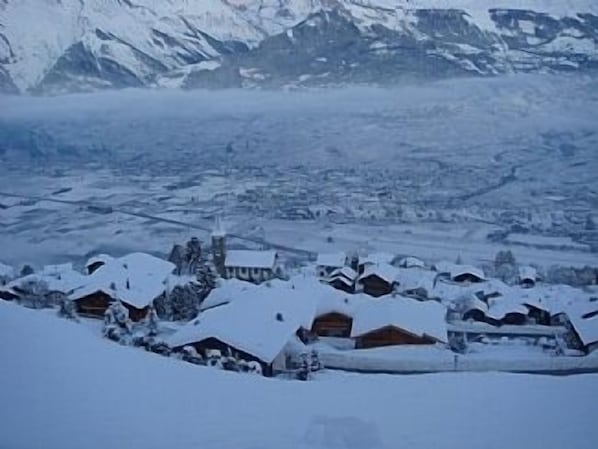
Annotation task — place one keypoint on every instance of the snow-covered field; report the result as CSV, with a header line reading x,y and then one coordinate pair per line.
x,y
430,170
63,387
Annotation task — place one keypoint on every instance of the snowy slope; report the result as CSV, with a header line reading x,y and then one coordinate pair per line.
x,y
81,44
62,386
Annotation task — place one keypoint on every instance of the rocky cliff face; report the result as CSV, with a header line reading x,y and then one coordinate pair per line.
x,y
53,46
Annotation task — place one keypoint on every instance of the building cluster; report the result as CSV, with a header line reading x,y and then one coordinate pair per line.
x,y
349,301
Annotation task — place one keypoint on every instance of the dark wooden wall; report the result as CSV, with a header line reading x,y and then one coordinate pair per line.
x,y
375,286
94,305
213,343
390,336
333,325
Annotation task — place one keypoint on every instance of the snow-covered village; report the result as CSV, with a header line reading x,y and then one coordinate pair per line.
x,y
298,224
244,310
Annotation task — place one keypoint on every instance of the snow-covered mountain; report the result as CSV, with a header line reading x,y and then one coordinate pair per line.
x,y
63,45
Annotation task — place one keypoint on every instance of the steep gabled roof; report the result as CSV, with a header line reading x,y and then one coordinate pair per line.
x,y
384,271
455,270
344,272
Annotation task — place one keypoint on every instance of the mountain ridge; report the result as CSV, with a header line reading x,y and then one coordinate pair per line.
x,y
56,46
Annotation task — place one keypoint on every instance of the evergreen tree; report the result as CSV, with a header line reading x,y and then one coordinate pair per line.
x,y
193,255
27,270
178,256
505,266
117,325
303,373
68,309
185,301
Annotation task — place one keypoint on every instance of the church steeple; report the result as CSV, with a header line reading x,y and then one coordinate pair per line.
x,y
219,246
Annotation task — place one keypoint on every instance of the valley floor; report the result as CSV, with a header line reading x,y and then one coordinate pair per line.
x,y
63,387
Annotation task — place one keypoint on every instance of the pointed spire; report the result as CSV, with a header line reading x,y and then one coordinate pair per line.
x,y
218,230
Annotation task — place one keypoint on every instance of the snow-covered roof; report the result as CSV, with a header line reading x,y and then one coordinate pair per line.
x,y
250,259
460,270
527,273
474,303
502,306
338,302
174,280
227,291
455,270
56,280
411,262
584,319
493,286
384,271
339,278
100,258
334,260
136,279
414,278
6,271
252,325
416,317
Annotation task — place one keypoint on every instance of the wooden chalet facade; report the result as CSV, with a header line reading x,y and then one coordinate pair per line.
x,y
376,286
268,369
333,324
96,304
391,336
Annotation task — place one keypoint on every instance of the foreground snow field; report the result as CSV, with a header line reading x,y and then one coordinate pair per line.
x,y
63,387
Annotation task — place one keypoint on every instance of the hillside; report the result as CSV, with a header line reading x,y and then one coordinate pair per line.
x,y
78,391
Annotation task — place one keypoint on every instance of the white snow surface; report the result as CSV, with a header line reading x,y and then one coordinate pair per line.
x,y
227,291
250,259
57,278
336,260
417,317
384,271
6,270
63,387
